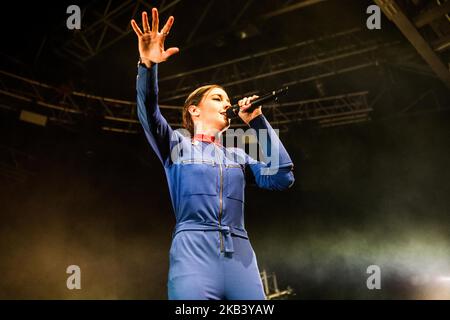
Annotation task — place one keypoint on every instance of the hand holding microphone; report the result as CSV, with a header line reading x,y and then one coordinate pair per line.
x,y
250,107
247,110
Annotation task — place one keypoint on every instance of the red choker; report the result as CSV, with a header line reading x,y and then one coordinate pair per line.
x,y
206,138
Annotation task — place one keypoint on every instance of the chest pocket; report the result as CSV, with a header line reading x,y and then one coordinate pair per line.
x,y
198,177
235,182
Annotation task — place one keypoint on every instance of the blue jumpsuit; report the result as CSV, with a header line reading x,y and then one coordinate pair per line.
x,y
211,256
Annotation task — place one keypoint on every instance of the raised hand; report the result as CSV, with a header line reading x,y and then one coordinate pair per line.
x,y
151,41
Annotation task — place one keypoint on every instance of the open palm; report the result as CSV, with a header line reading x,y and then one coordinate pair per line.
x,y
151,41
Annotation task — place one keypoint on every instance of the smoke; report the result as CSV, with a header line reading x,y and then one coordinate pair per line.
x,y
410,257
75,216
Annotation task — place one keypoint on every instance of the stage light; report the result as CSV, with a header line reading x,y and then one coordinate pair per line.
x,y
444,279
247,32
33,117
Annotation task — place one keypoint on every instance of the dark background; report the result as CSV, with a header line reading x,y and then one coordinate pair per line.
x,y
376,192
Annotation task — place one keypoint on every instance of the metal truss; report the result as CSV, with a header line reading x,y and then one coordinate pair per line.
x,y
271,289
435,17
303,62
294,64
282,7
70,108
327,111
101,29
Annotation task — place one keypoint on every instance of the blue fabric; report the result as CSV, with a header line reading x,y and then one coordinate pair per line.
x,y
211,256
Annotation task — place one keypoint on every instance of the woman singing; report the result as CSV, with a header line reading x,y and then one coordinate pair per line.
x,y
211,256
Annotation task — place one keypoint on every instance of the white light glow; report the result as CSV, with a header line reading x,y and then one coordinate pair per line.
x,y
444,279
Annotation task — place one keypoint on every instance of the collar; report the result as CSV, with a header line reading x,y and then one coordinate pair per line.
x,y
206,138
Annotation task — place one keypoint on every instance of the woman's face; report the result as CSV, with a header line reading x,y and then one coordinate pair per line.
x,y
212,109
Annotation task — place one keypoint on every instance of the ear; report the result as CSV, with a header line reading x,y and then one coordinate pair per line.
x,y
194,110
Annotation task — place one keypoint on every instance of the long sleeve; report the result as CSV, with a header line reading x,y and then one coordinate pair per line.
x,y
156,128
276,173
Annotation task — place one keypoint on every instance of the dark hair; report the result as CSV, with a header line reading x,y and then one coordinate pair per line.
x,y
194,98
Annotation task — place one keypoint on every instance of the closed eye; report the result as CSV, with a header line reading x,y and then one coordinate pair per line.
x,y
219,98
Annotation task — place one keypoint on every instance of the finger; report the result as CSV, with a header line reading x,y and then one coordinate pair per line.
x,y
244,108
171,51
250,99
155,20
168,25
136,28
145,26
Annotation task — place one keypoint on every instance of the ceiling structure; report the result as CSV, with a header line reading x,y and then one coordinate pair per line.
x,y
338,71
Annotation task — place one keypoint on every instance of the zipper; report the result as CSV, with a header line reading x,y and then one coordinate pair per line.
x,y
220,203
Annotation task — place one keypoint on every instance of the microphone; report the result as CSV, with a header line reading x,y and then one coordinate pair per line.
x,y
233,111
